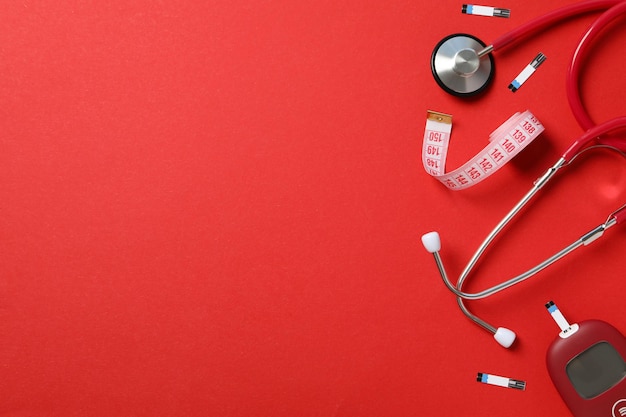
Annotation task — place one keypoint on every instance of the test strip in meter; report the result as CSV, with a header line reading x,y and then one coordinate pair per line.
x,y
561,321
501,381
504,143
485,11
530,69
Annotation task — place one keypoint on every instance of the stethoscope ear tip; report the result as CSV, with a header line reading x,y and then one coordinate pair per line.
x,y
504,337
431,242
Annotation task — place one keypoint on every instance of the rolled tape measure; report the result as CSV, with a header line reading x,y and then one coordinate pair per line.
x,y
504,143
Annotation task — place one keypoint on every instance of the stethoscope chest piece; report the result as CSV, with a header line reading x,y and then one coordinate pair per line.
x,y
458,69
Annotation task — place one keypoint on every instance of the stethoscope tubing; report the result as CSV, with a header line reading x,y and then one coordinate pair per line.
x,y
549,19
573,73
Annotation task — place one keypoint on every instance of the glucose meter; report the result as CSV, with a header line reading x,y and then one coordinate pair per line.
x,y
586,364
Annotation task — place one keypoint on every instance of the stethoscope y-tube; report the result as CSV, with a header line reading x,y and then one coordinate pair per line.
x,y
504,336
450,70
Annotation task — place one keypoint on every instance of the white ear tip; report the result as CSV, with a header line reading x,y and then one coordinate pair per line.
x,y
505,337
431,242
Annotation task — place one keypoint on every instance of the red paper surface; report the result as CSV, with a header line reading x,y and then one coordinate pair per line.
x,y
215,208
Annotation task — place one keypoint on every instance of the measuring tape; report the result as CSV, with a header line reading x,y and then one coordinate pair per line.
x,y
504,143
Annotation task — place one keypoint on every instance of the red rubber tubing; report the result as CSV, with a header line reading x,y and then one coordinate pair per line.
x,y
620,215
551,17
573,73
613,9
591,134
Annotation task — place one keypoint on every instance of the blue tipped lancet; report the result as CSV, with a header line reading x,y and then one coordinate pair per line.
x,y
527,72
485,11
566,329
501,381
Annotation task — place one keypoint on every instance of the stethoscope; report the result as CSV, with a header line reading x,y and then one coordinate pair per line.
x,y
462,65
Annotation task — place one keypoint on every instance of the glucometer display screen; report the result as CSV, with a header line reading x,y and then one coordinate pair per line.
x,y
596,370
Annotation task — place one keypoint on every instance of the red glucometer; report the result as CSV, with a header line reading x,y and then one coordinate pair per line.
x,y
586,364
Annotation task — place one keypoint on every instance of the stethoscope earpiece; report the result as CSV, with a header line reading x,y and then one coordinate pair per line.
x,y
502,335
457,66
431,242
505,337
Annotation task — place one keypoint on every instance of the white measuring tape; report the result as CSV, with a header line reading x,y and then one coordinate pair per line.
x,y
504,143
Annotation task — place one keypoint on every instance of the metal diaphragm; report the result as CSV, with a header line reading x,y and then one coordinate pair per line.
x,y
458,69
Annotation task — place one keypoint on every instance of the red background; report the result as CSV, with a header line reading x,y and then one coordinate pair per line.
x,y
215,208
